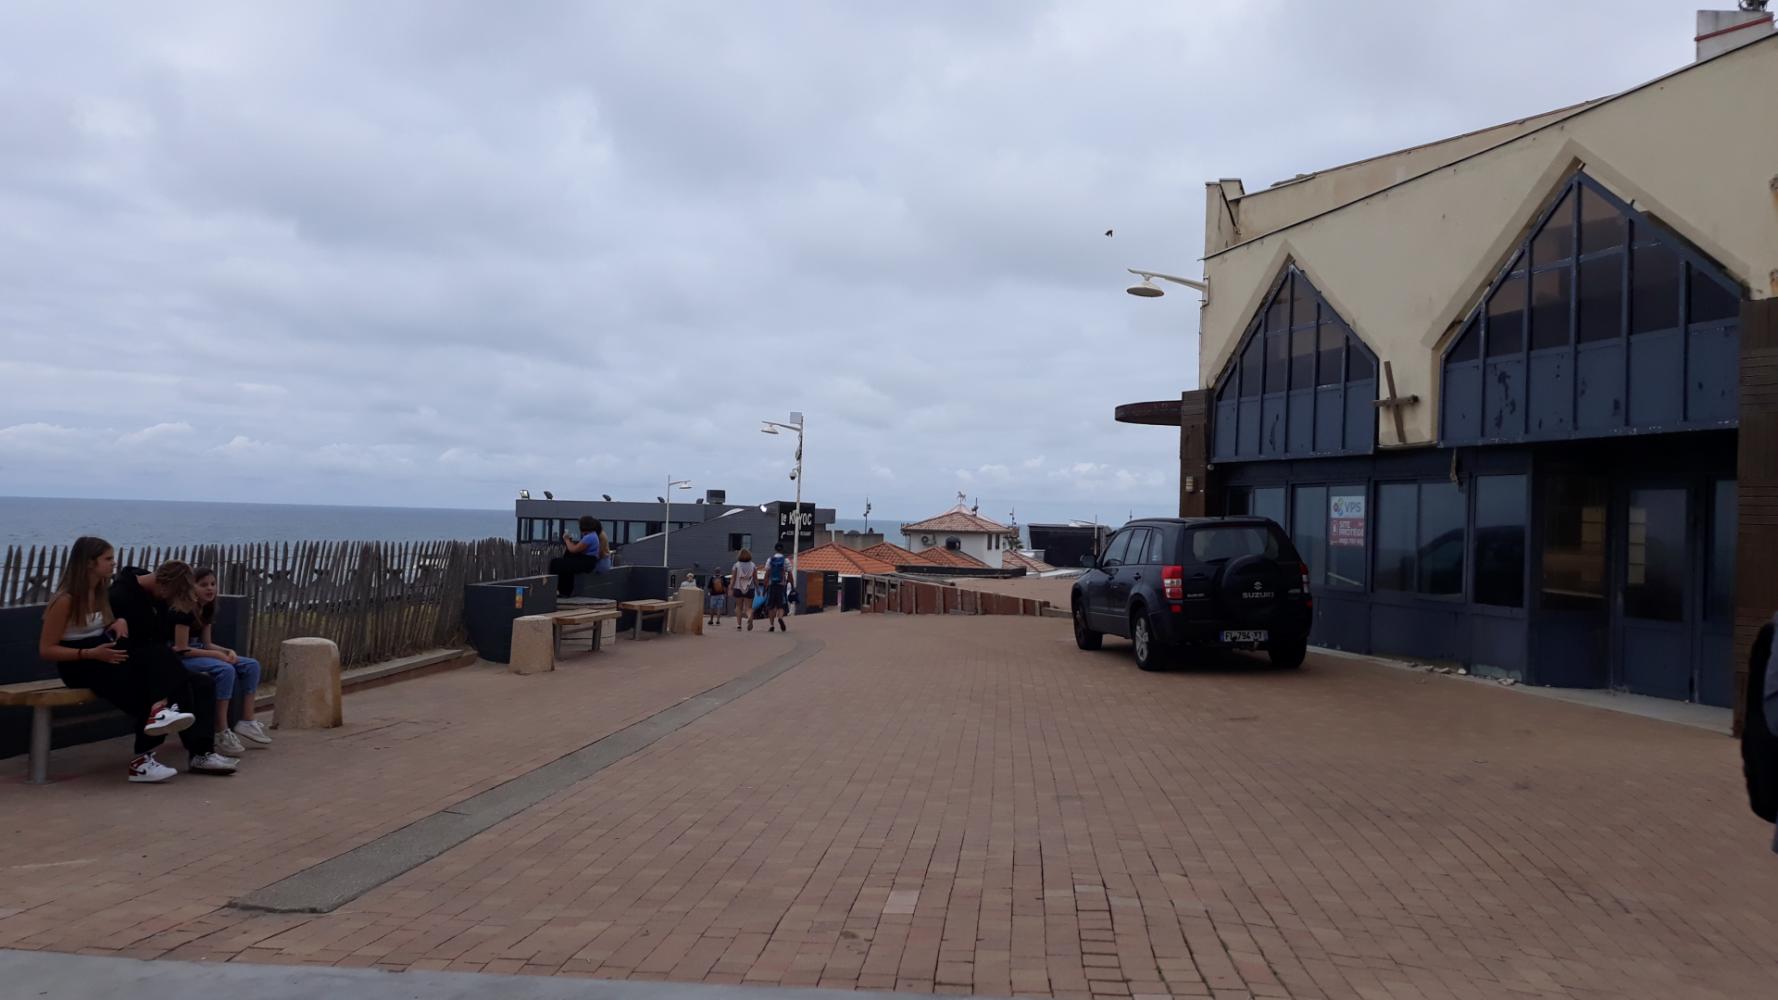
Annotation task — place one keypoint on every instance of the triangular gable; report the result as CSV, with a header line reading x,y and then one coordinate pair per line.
x,y
1545,351
1300,382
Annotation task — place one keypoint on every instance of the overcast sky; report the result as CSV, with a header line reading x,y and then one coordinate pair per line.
x,y
426,254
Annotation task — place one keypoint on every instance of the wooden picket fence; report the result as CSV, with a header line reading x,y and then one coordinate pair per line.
x,y
377,600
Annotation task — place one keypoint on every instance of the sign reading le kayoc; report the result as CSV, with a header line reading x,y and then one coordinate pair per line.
x,y
803,519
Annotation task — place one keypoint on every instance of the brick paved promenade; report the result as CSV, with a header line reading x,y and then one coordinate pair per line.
x,y
952,805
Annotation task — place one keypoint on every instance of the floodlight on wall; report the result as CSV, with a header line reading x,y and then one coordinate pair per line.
x,y
1147,289
524,494
547,495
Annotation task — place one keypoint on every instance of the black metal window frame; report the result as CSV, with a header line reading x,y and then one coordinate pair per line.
x,y
1290,291
1520,264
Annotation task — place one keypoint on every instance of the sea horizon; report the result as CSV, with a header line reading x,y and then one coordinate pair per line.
x,y
36,520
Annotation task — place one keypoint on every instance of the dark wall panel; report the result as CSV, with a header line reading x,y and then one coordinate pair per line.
x,y
1599,386
1497,645
1430,632
1552,393
1302,422
1330,418
1225,430
1569,651
1341,622
1711,371
1655,362
1247,440
1503,400
1463,402
1361,413
1272,425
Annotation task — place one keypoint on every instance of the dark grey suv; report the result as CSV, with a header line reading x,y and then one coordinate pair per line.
x,y
1174,584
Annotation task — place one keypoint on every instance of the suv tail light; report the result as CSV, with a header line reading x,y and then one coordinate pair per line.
x,y
1173,582
1304,568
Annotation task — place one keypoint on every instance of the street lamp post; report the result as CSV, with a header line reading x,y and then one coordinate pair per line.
x,y
667,525
796,526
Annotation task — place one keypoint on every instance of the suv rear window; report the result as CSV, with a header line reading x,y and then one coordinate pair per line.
x,y
1217,543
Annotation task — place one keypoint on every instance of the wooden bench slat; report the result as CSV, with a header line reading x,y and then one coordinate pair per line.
x,y
30,694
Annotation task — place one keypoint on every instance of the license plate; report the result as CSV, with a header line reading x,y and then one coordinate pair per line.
x,y
1246,635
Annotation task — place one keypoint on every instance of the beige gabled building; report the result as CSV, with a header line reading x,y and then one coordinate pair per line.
x,y
1515,393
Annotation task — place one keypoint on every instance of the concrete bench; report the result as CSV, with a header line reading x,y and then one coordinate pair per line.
x,y
40,697
643,610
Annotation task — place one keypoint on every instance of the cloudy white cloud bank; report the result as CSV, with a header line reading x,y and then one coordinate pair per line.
x,y
430,253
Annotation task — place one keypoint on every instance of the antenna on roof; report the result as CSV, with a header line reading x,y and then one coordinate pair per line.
x,y
978,506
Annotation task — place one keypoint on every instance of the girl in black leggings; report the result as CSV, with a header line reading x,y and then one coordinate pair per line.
x,y
88,646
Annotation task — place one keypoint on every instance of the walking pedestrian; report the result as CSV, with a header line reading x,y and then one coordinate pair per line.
x,y
741,588
777,587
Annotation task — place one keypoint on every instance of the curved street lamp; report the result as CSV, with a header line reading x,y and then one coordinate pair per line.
x,y
796,527
667,525
1147,289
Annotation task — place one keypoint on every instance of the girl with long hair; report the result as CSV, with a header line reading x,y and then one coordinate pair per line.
x,y
90,647
194,640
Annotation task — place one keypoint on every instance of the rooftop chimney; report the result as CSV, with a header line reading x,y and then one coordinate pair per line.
x,y
1722,30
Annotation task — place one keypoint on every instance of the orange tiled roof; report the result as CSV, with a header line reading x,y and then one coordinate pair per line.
x,y
839,559
958,518
951,558
1013,559
892,554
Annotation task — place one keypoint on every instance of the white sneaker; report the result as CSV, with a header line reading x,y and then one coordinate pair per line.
x,y
146,768
229,743
253,732
212,763
169,720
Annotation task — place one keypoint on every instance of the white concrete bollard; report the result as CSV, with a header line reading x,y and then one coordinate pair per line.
x,y
533,645
308,694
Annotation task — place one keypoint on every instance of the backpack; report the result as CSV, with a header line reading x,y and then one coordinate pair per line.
x,y
1759,748
775,569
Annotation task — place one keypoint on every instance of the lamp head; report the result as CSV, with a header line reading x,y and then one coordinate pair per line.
x,y
768,429
1146,289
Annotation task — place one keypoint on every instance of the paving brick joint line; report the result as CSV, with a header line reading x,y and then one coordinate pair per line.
x,y
324,887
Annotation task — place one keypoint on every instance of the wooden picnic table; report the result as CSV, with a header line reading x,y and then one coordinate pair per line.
x,y
589,620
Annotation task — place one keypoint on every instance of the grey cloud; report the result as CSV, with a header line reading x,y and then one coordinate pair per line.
x,y
435,252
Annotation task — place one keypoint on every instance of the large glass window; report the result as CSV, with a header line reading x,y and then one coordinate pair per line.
x,y
1347,537
1302,358
1277,361
1654,289
1601,298
1268,501
1573,573
1308,530
1396,506
1420,538
1506,317
1251,371
1549,308
1655,564
1500,520
1719,592
1330,350
1439,556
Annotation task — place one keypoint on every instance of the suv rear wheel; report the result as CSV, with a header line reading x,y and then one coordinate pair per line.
x,y
1085,637
1149,654
1288,654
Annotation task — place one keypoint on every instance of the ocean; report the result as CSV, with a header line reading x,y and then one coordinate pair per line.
x,y
57,521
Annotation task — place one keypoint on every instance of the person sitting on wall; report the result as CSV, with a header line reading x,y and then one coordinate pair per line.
x,y
591,553
194,640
